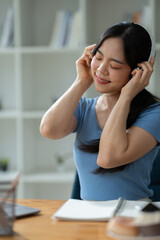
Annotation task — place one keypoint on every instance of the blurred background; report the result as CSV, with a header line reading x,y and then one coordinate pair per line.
x,y
40,40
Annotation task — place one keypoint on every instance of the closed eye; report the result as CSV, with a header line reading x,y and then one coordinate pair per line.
x,y
98,58
115,68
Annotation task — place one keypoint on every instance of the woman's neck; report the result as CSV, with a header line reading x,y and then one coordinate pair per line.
x,y
107,102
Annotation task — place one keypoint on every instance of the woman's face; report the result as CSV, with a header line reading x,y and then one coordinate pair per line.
x,y
109,68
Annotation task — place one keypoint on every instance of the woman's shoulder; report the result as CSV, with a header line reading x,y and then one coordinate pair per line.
x,y
149,120
85,105
150,115
153,108
87,102
89,99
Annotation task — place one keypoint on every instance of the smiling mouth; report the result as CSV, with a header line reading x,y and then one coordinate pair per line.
x,y
102,81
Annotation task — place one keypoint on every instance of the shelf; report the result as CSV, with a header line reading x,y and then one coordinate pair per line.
x,y
32,114
34,75
43,79
7,51
37,19
64,177
8,176
48,50
8,114
39,50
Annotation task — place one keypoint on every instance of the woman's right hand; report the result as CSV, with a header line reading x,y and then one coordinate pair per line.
x,y
83,66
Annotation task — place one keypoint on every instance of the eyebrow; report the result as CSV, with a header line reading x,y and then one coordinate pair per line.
x,y
111,59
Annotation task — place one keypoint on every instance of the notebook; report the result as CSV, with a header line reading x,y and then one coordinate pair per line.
x,y
82,210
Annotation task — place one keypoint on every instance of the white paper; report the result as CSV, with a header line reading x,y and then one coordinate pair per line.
x,y
82,210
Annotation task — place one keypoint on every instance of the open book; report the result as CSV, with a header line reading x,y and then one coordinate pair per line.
x,y
82,210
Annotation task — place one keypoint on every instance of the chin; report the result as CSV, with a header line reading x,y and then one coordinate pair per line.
x,y
108,90
100,89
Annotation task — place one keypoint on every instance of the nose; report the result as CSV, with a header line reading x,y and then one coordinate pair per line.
x,y
103,68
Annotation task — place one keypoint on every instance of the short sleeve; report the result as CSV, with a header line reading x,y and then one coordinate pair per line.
x,y
79,112
149,120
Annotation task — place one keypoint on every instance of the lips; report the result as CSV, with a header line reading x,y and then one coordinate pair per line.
x,y
101,80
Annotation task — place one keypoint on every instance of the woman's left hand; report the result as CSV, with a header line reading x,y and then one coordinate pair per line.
x,y
140,79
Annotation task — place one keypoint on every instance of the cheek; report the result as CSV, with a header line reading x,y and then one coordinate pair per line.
x,y
127,76
119,77
124,75
115,75
124,78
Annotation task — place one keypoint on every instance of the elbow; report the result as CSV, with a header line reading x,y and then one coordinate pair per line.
x,y
103,164
106,162
46,131
51,131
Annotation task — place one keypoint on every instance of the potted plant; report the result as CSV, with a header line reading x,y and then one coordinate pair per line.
x,y
4,164
59,163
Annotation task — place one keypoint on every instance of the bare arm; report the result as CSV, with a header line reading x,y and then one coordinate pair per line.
x,y
118,146
59,120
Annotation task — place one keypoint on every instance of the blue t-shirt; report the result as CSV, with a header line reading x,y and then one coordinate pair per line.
x,y
132,182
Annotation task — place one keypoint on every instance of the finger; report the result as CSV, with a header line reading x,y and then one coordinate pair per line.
x,y
147,70
88,54
137,71
152,61
88,51
142,77
84,60
88,60
146,66
136,75
90,47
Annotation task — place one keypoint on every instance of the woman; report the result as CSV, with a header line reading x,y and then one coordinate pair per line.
x,y
117,133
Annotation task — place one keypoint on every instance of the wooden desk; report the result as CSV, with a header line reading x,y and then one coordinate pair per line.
x,y
42,227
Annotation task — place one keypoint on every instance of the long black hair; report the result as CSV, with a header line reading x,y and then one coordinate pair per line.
x,y
137,46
